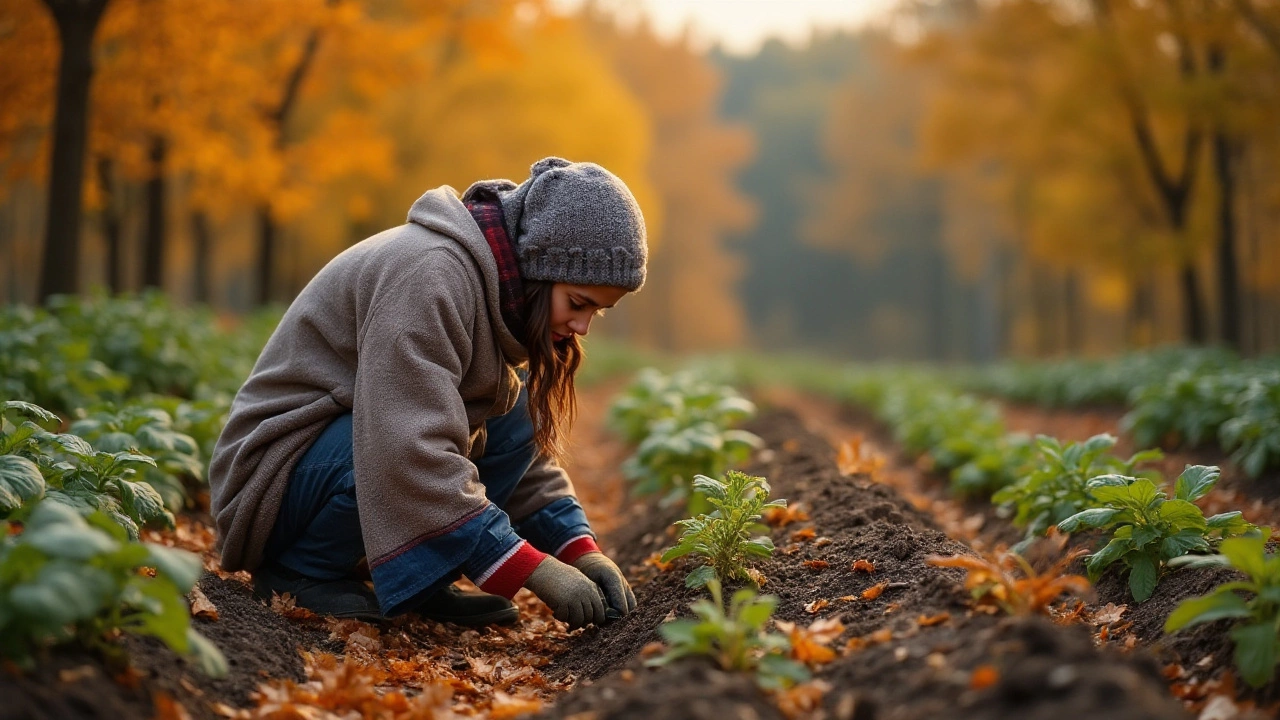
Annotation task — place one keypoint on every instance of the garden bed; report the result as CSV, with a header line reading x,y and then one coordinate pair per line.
x,y
922,647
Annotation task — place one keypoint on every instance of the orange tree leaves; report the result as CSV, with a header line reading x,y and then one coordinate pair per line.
x,y
993,583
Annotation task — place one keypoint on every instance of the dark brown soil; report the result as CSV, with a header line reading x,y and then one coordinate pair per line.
x,y
638,693
1045,670
257,642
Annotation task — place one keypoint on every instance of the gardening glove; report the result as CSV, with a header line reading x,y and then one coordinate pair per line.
x,y
605,573
572,596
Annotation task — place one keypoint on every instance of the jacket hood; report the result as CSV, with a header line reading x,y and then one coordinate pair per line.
x,y
441,211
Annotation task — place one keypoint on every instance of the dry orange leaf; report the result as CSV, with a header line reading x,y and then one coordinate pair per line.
x,y
874,591
984,676
938,619
809,645
816,606
853,459
802,700
169,709
655,561
816,564
784,516
992,582
201,606
803,534
883,635
865,566
505,707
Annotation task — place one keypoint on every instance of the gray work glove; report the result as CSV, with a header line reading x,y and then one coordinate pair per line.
x,y
606,574
572,597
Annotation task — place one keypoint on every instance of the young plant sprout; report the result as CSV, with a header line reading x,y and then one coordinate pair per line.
x,y
723,538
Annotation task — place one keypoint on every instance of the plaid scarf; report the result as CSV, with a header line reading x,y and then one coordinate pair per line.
x,y
488,215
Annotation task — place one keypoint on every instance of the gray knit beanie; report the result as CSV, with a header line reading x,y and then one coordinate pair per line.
x,y
574,223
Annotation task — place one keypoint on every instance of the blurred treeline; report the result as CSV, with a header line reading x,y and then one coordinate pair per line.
x,y
964,180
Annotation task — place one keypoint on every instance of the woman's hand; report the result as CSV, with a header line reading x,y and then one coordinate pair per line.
x,y
606,574
571,595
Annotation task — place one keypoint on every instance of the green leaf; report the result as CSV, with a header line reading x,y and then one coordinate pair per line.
x,y
1143,575
761,546
1206,608
1195,482
13,409
1247,554
20,482
182,568
1113,551
699,577
1255,653
679,632
756,614
1182,515
207,655
1100,442
778,672
72,542
166,616
1092,518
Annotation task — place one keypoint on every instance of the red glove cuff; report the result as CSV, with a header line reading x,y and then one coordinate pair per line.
x,y
576,548
508,575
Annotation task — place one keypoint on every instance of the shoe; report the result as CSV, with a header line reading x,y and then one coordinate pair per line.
x,y
470,608
343,598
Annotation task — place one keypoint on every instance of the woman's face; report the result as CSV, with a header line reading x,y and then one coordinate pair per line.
x,y
573,307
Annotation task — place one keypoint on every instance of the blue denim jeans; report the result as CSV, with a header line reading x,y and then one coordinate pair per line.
x,y
317,532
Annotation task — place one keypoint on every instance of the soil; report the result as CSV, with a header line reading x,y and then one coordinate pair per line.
x,y
937,642
257,642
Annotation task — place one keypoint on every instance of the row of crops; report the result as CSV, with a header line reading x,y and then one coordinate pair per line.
x,y
1151,528
110,408
1176,397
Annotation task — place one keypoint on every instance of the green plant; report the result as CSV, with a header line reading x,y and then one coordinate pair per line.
x,y
71,472
723,537
1253,435
1055,487
140,428
67,577
734,637
1257,631
683,425
1151,529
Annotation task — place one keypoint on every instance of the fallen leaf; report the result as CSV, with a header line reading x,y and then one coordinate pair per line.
x,y
803,534
983,676
76,674
938,619
801,700
651,649
757,577
201,607
505,707
865,566
816,564
853,459
166,708
874,591
1108,614
816,606
822,542
882,635
784,516
655,561
848,598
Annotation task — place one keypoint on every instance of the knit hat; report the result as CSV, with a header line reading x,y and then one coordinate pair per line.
x,y
572,222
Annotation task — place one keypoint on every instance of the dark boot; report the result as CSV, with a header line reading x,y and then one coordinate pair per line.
x,y
342,598
471,608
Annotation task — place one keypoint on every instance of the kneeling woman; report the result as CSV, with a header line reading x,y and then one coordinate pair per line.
x,y
411,405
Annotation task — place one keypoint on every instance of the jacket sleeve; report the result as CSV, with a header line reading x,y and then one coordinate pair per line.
x,y
423,513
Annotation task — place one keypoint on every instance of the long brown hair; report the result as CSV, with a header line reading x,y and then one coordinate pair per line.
x,y
553,404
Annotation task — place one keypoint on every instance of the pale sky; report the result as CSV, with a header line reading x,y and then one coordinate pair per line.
x,y
740,26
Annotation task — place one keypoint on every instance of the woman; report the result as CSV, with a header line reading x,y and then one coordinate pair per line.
x,y
385,421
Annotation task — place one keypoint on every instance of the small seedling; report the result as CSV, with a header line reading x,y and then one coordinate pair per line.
x,y
734,637
723,538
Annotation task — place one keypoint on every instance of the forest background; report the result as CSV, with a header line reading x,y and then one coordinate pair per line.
x,y
960,180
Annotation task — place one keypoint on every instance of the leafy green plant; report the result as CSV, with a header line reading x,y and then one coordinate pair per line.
x,y
683,424
1257,630
71,472
1055,487
141,428
1149,528
1253,435
66,577
723,537
734,637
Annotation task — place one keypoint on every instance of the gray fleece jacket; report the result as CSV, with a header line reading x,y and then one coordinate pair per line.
x,y
404,330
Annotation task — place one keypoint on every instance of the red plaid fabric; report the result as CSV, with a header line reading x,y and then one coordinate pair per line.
x,y
488,215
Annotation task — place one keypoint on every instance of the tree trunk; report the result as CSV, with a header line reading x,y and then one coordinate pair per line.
x,y
77,21
111,225
266,254
1193,320
1071,313
1228,267
154,241
202,253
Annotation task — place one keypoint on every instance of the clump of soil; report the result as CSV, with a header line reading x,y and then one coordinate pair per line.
x,y
690,690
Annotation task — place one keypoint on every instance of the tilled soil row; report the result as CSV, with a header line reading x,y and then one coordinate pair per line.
x,y
925,668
